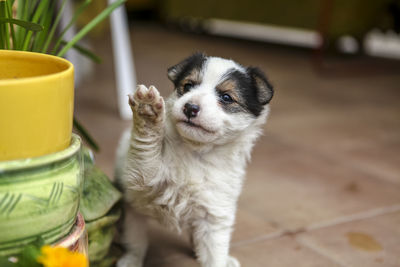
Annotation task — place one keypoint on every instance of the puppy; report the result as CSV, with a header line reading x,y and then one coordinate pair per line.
x,y
184,161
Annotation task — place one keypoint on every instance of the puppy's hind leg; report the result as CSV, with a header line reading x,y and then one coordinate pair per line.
x,y
134,238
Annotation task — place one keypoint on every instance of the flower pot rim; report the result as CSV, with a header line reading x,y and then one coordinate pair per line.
x,y
35,55
27,163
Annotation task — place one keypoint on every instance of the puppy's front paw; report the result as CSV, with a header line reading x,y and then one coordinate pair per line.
x,y
147,103
233,262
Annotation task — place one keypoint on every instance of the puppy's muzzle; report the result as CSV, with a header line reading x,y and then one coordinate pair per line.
x,y
191,110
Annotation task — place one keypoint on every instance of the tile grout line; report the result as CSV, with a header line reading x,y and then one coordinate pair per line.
x,y
341,220
321,252
355,217
259,239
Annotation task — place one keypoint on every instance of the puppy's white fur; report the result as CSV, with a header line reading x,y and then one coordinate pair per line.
x,y
188,178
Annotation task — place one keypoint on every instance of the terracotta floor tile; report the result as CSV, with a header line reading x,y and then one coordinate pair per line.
x,y
363,138
368,243
282,252
251,226
291,188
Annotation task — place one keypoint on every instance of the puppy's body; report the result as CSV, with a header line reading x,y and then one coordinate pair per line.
x,y
184,162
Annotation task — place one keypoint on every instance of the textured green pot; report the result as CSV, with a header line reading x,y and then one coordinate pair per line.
x,y
39,197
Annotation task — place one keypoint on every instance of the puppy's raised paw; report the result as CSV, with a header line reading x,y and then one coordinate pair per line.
x,y
147,103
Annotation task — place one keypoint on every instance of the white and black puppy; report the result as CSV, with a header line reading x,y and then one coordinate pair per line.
x,y
184,161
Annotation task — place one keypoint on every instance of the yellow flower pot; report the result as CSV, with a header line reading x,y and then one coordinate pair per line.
x,y
36,104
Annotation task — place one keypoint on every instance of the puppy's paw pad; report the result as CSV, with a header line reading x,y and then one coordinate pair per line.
x,y
146,95
233,262
141,92
147,102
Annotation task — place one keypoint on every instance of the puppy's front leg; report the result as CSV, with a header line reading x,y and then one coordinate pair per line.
x,y
211,244
144,154
143,163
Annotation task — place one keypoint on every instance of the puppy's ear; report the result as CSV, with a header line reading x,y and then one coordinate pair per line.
x,y
265,90
175,73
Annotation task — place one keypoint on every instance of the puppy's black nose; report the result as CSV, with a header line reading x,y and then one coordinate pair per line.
x,y
191,110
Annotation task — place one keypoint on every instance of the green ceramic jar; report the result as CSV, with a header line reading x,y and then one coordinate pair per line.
x,y
39,197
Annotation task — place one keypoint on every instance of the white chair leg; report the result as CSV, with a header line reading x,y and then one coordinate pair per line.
x,y
123,60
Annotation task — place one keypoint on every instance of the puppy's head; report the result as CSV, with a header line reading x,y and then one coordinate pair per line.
x,y
216,99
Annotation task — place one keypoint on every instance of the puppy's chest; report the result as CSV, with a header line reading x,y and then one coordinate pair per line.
x,y
192,184
190,188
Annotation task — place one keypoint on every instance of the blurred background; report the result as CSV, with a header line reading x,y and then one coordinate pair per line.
x,y
323,187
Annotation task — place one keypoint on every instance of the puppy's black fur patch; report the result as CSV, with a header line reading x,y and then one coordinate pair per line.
x,y
253,89
265,90
181,70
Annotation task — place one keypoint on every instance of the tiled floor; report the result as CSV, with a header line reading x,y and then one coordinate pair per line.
x,y
323,188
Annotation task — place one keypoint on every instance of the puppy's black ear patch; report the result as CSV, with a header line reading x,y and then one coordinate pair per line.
x,y
265,90
178,72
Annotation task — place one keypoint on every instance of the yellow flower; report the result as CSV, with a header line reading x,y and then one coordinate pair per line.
x,y
61,257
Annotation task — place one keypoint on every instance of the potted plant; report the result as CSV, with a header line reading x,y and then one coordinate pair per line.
x,y
41,165
31,25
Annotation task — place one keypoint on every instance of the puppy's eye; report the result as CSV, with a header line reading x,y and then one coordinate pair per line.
x,y
187,86
226,98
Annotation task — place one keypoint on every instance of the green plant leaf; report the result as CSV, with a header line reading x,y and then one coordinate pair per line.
x,y
45,20
3,26
30,253
78,11
85,135
85,52
22,8
43,5
98,194
2,37
29,256
4,262
54,27
30,26
10,3
93,23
